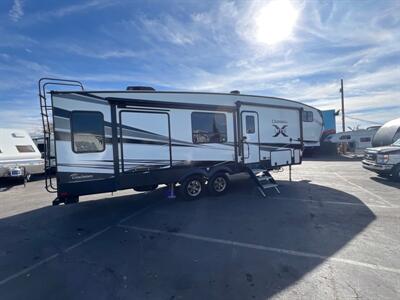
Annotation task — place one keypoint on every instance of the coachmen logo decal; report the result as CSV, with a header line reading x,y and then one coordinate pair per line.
x,y
76,176
280,130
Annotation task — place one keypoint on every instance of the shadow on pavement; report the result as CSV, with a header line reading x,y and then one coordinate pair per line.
x,y
386,181
8,183
130,264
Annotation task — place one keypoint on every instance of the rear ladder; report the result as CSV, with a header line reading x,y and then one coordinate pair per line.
x,y
46,111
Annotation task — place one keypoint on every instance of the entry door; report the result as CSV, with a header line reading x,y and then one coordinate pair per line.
x,y
251,147
145,140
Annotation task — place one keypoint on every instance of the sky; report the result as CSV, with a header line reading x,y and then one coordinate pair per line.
x,y
292,49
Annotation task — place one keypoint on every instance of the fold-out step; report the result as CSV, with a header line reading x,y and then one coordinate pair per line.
x,y
263,179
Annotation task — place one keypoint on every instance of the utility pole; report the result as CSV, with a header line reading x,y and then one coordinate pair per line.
x,y
342,92
344,145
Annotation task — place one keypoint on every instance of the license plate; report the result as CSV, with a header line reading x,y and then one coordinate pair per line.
x,y
16,173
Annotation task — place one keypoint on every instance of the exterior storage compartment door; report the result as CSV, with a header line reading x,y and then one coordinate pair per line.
x,y
145,142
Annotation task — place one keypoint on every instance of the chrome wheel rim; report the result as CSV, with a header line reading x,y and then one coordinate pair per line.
x,y
194,188
219,184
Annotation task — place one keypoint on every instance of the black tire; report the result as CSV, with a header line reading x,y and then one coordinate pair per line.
x,y
192,188
145,188
396,173
218,184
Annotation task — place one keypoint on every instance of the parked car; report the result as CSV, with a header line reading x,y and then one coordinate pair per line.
x,y
384,160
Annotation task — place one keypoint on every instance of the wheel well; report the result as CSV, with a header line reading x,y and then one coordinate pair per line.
x,y
224,170
204,173
195,172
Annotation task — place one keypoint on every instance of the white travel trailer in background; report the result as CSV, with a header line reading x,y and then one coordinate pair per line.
x,y
140,138
356,140
19,156
40,144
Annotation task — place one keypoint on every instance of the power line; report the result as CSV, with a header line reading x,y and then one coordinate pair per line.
x,y
363,120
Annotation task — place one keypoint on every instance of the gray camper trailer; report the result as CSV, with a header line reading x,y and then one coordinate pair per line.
x,y
140,138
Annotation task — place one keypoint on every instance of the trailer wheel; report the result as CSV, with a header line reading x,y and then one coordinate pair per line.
x,y
396,173
218,184
192,188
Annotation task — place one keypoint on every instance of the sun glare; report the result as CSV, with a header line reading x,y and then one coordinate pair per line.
x,y
274,22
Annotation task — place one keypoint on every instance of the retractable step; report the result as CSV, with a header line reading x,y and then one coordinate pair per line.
x,y
263,179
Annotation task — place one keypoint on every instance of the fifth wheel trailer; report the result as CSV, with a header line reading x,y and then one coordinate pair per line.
x,y
112,140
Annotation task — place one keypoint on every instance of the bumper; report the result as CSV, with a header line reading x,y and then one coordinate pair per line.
x,y
377,168
31,168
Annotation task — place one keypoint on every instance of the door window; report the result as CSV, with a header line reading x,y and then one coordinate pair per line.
x,y
250,124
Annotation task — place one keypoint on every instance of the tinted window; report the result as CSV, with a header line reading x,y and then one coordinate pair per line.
x,y
25,148
308,116
87,131
41,147
345,137
397,135
208,128
250,124
365,139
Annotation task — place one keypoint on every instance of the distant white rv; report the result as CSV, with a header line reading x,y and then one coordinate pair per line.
x,y
19,156
387,134
41,145
356,140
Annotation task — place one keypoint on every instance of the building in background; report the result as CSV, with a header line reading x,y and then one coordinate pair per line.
x,y
329,117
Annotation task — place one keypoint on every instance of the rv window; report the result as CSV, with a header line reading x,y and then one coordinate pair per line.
x,y
250,124
87,129
308,116
365,139
40,147
25,148
345,137
208,128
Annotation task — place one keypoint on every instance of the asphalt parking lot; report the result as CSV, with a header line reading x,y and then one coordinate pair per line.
x,y
333,233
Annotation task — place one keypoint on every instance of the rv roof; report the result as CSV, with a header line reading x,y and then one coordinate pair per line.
x,y
86,92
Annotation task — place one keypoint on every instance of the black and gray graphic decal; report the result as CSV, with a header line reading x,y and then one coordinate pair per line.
x,y
280,130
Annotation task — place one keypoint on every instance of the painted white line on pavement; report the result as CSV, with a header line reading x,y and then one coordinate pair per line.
x,y
264,248
24,271
89,238
362,204
363,189
140,211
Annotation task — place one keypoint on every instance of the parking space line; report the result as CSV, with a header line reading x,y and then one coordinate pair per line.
x,y
89,238
264,248
140,211
50,258
335,202
32,267
363,189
